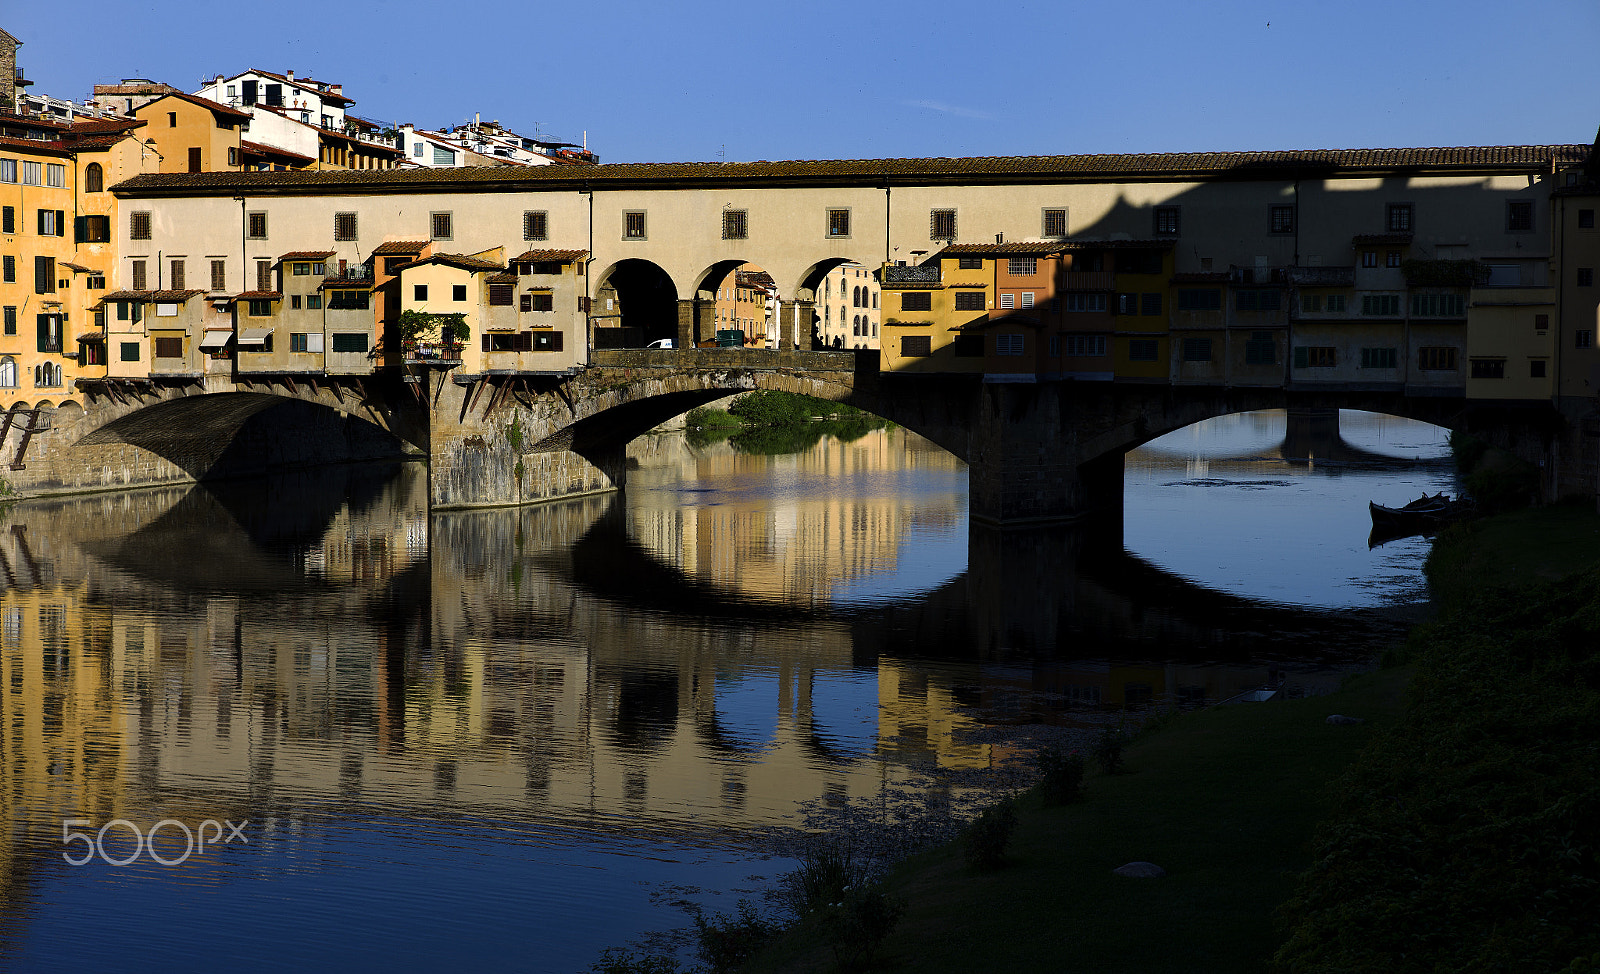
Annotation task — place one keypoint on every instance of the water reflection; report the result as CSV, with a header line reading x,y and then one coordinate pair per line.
x,y
495,716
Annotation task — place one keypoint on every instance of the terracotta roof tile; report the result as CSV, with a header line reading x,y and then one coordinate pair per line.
x,y
258,296
163,297
504,277
551,256
306,255
400,247
257,148
462,261
215,107
1153,166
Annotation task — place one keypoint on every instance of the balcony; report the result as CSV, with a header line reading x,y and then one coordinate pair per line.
x,y
926,275
1089,281
349,274
437,354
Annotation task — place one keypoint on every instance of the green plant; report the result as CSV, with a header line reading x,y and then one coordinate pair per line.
x,y
1060,775
624,961
827,869
413,325
857,925
984,840
1108,750
728,941
514,434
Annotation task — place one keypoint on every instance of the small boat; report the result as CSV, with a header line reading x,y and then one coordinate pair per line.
x,y
1425,514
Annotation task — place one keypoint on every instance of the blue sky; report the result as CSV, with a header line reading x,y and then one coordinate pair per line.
x,y
653,81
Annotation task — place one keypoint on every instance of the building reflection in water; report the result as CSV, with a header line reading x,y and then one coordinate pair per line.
x,y
654,663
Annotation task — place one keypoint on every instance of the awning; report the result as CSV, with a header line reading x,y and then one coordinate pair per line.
x,y
254,336
215,339
92,337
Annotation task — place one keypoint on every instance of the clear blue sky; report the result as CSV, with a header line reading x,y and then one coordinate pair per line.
x,y
653,81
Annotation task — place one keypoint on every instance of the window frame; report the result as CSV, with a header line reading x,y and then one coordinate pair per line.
x,y
1280,218
536,224
942,223
1046,214
346,225
139,225
441,225
1518,211
735,224
1400,217
635,224
1167,221
836,223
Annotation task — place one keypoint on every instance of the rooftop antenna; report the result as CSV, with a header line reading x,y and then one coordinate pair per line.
x,y
722,153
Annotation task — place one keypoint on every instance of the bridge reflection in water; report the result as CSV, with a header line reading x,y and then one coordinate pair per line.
x,y
661,664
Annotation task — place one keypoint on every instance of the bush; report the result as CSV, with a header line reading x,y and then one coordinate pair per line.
x,y
857,925
726,942
623,961
1108,750
1060,775
705,417
827,870
984,841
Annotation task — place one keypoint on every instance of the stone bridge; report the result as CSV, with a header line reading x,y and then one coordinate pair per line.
x,y
1045,451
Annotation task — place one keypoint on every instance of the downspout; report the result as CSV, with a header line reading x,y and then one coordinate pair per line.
x,y
244,265
588,283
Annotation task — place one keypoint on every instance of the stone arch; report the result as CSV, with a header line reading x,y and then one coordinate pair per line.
x,y
68,413
636,301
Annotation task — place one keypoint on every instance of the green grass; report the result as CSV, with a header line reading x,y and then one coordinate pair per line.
x,y
1226,800
1511,550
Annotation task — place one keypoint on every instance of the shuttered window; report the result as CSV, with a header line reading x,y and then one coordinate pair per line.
x,y
542,301
915,346
916,301
263,275
219,275
169,347
139,280
970,300
44,275
177,275
257,226
500,294
547,341
349,341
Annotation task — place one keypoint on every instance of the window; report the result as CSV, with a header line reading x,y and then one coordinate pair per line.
x,y
915,301
419,292
969,263
169,348
172,120
256,226
1280,219
1150,304
915,346
941,225
1167,221
1391,259
344,226
1083,301
1142,349
1008,344
1519,216
439,224
967,346
348,300
1382,305
970,301
633,225
1369,258
1438,306
1310,303
1586,277
44,275
839,223
139,281
1260,349
344,341
458,292
1541,322
30,174
297,342
8,220
1199,299
10,269
314,303
94,179
129,351
1398,218
55,174
139,225
177,276
1197,349
1257,300
1022,266
1436,358
263,275
1086,346
8,170
546,341
542,301
1585,219
92,229
735,224
1536,368
500,295
260,308
1055,222
1336,303
11,320
1379,358
1315,357
51,223
1008,300
1127,304
1488,368
294,302
233,155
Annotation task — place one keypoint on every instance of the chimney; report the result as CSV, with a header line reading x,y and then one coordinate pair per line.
x,y
289,74
999,238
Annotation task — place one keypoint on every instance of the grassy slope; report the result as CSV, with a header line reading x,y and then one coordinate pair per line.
x,y
1225,800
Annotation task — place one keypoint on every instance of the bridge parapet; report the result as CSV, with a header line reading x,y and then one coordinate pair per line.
x,y
731,358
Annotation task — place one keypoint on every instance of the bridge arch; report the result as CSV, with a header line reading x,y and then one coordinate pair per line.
x,y
636,302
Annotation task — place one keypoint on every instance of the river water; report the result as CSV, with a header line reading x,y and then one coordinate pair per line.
x,y
516,737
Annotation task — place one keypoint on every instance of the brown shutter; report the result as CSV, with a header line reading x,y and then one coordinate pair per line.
x,y
485,341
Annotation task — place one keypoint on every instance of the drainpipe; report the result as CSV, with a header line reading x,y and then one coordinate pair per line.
x,y
588,281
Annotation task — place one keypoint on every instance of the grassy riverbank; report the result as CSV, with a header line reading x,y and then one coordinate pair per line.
x,y
1446,832
778,422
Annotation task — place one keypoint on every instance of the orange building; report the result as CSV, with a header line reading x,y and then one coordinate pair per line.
x,y
193,134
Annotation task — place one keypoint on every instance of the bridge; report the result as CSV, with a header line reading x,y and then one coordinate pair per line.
x,y
1046,451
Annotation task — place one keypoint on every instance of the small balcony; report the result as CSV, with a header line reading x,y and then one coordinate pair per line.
x,y
435,354
925,275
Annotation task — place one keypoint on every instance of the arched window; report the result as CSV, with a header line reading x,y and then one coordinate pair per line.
x,y
874,299
856,325
8,373
94,178
855,297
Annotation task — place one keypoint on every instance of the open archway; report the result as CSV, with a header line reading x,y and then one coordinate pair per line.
x,y
635,304
737,296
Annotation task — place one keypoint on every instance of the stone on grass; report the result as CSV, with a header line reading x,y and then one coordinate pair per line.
x,y
1140,870
1342,719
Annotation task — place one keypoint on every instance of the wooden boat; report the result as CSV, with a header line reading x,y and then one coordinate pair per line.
x,y
1426,513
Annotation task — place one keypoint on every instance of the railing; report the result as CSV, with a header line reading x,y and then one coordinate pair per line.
x,y
923,274
432,351
350,272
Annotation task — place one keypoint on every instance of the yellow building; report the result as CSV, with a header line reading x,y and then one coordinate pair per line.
x,y
193,134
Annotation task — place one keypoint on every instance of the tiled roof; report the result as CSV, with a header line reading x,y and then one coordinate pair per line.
x,y
505,277
76,267
163,297
1023,247
474,264
134,88
400,247
306,255
259,296
551,256
305,83
1362,239
94,143
257,148
101,126
214,107
965,171
33,145
1089,243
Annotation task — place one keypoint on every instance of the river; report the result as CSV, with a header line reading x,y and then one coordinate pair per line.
x,y
512,738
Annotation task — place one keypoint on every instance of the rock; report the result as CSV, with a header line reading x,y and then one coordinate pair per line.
x,y
1343,720
1140,870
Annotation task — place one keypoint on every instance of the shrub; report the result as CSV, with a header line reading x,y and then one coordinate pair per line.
x,y
984,840
1060,775
827,870
857,925
1108,750
623,961
726,942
